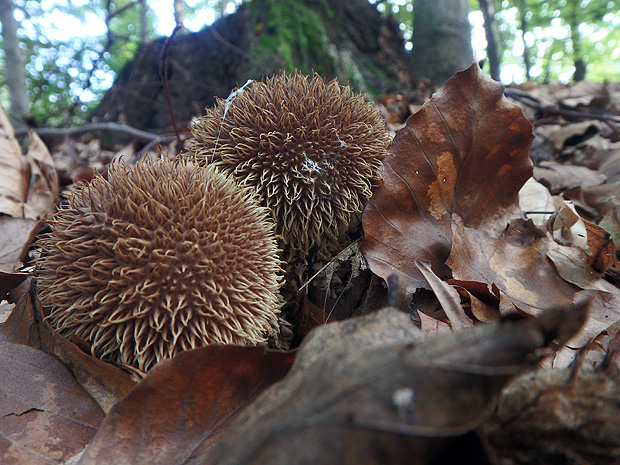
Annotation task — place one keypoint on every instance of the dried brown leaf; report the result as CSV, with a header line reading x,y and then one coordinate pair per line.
x,y
515,261
355,398
447,295
16,235
28,183
44,185
106,383
14,173
466,153
45,416
558,177
182,407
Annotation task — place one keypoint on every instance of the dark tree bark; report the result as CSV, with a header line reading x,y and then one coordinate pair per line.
x,y
523,12
490,26
347,39
144,32
441,39
14,71
575,38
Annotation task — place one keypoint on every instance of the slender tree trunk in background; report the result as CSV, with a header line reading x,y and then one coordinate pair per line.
x,y
490,26
14,70
575,38
441,39
523,12
221,7
144,33
179,12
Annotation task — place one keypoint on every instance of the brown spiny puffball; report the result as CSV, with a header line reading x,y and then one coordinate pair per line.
x,y
160,257
311,149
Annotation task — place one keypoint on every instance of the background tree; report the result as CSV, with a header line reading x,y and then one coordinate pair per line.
x,y
348,40
15,77
441,39
70,64
487,7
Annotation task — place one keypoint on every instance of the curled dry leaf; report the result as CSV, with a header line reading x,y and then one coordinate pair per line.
x,y
466,153
447,296
182,407
28,184
515,261
14,174
362,388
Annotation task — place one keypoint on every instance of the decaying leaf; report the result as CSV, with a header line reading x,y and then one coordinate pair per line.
x,y
466,153
28,183
364,388
558,177
558,416
515,261
182,407
104,382
45,416
14,175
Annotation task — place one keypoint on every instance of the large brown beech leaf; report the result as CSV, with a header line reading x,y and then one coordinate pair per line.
x,y
45,416
104,382
181,408
373,390
464,152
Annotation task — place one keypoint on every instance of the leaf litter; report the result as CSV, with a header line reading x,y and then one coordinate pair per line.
x,y
453,214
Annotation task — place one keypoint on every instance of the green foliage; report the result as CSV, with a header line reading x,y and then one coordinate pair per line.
x,y
547,35
296,35
67,71
401,11
75,48
552,27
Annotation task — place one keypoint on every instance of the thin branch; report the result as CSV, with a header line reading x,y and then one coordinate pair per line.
x,y
526,99
112,127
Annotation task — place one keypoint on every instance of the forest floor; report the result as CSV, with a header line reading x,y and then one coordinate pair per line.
x,y
467,374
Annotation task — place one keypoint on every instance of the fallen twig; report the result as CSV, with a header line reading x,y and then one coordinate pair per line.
x,y
111,127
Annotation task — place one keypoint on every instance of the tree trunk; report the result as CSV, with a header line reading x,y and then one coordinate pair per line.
x,y
345,39
14,70
575,38
441,39
144,32
490,27
179,12
524,28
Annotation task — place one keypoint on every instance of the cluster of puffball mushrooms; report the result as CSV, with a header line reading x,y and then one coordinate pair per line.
x,y
170,255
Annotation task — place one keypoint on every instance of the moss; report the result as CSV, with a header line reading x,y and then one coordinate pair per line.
x,y
306,35
295,33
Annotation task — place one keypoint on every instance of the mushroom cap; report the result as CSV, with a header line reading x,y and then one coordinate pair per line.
x,y
160,257
310,148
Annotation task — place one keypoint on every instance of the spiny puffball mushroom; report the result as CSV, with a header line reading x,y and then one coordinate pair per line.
x,y
161,257
310,148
